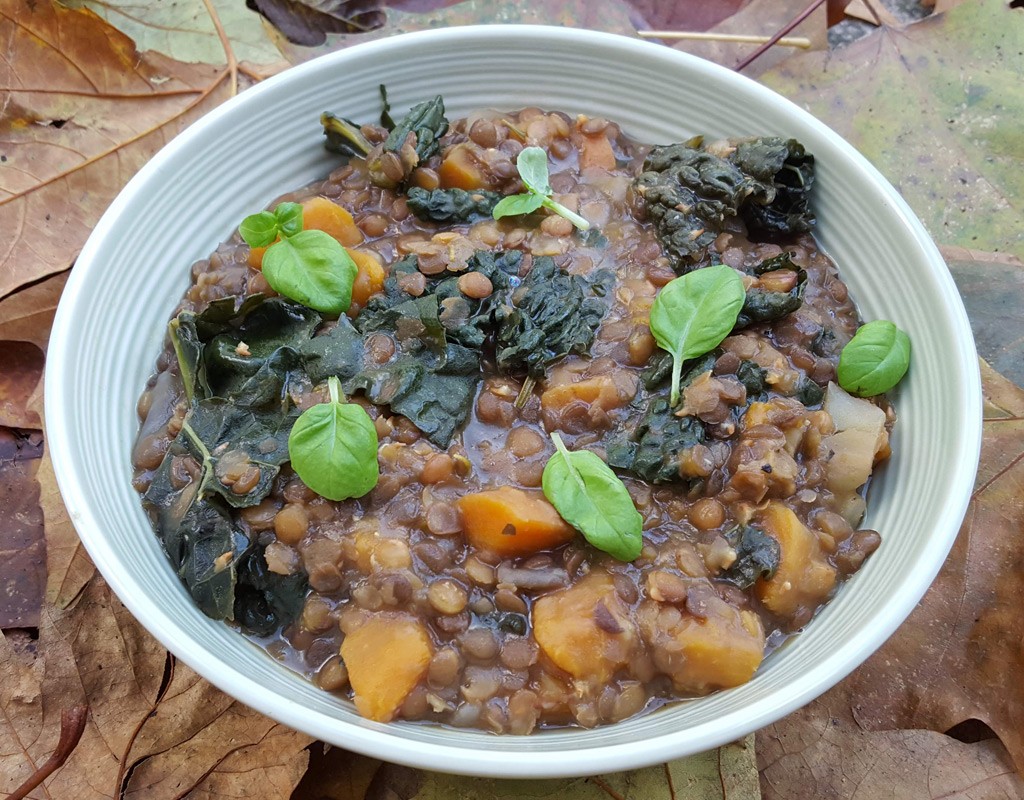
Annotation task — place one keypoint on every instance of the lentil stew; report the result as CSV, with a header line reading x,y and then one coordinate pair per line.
x,y
453,591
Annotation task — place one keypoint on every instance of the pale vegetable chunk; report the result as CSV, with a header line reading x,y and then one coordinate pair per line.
x,y
859,440
586,629
386,657
803,578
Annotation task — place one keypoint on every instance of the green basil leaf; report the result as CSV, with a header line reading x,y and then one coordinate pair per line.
x,y
693,314
875,359
532,164
516,204
333,448
312,268
591,498
289,218
259,230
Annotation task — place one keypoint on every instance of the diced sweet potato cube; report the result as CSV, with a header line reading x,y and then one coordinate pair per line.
x,y
321,214
370,278
386,657
585,629
461,169
804,578
719,649
255,257
512,522
600,391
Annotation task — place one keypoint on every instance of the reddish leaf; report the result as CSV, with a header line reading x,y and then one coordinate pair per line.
x,y
22,546
21,369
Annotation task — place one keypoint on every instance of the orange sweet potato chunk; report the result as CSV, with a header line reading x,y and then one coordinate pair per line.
x,y
512,522
804,578
386,657
585,629
370,278
321,214
461,170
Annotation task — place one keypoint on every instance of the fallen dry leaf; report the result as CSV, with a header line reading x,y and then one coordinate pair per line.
x,y
992,285
656,15
154,730
820,752
28,315
68,568
82,111
604,15
21,369
936,106
22,545
729,773
762,17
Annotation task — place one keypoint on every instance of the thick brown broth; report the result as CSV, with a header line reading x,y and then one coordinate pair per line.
x,y
567,635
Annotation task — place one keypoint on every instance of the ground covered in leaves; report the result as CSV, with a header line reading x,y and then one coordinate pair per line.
x,y
90,89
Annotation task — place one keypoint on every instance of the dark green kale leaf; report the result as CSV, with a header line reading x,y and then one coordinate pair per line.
x,y
264,600
808,392
344,136
451,205
436,399
786,171
761,305
222,568
753,379
251,365
553,314
337,352
757,556
426,122
690,193
652,448
412,141
225,438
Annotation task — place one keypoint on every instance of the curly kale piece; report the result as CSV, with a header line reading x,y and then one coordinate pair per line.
x,y
786,169
690,193
762,305
653,447
411,142
451,205
757,556
552,314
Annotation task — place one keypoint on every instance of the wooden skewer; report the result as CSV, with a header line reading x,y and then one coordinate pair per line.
x,y
741,38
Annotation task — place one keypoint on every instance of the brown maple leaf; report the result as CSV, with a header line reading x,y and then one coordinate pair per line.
x,y
154,729
81,110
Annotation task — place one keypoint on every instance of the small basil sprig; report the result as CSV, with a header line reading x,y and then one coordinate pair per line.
x,y
532,164
875,359
591,498
333,448
310,267
693,314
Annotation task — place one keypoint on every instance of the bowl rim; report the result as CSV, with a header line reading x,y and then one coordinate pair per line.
x,y
379,740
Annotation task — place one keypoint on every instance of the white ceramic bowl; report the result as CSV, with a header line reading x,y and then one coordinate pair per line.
x,y
135,266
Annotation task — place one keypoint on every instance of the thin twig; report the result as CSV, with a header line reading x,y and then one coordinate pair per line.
x,y
72,725
779,34
739,38
229,52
